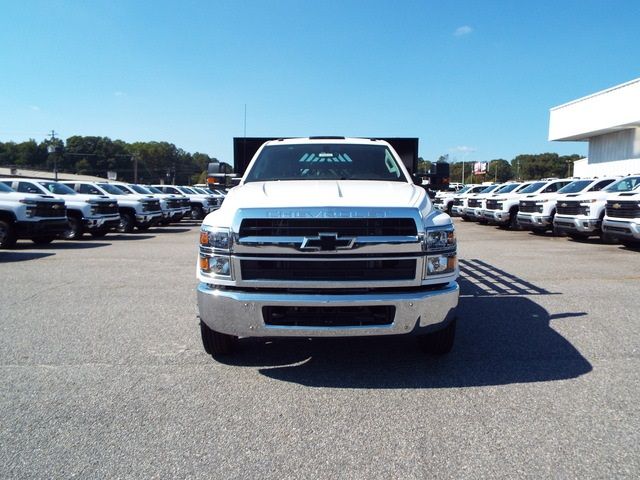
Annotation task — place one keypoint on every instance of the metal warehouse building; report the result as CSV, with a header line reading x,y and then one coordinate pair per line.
x,y
610,121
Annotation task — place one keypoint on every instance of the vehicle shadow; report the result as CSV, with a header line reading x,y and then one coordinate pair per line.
x,y
61,245
503,337
169,229
9,257
128,236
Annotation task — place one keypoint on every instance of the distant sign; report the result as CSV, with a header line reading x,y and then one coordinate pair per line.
x,y
112,175
480,168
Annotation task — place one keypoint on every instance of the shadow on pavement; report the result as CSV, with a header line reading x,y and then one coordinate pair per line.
x,y
9,257
503,337
61,245
169,229
128,236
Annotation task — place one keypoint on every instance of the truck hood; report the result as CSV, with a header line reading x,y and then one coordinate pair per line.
x,y
17,196
320,193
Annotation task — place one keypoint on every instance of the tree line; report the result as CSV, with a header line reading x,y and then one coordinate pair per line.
x,y
151,162
522,167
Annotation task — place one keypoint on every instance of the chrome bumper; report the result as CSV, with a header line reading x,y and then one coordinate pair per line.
x,y
534,220
240,312
496,216
621,229
579,224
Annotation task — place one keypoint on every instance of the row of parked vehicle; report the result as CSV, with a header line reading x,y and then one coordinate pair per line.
x,y
605,207
44,210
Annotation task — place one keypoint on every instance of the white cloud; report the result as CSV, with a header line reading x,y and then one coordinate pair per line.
x,y
463,149
462,31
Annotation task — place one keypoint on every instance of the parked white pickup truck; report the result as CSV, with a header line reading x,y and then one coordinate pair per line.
x,y
444,199
580,215
476,203
327,237
460,200
622,217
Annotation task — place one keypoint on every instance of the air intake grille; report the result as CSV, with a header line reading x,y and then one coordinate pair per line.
x,y
622,209
302,227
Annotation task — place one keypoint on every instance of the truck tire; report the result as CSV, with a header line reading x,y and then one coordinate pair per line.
x,y
513,220
440,342
127,222
7,235
197,213
216,343
43,240
74,232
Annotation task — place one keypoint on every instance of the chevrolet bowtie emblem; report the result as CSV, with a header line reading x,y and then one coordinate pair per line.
x,y
563,204
616,205
327,242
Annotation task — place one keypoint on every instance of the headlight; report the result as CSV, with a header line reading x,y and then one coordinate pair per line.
x,y
219,265
439,240
28,201
440,264
216,238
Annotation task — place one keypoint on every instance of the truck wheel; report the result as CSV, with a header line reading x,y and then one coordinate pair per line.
x,y
43,240
74,232
7,235
127,222
197,213
440,342
513,220
216,343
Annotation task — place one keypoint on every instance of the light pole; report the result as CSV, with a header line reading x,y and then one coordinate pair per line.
x,y
51,149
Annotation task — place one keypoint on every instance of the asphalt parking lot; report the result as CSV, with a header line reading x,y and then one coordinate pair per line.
x,y
103,374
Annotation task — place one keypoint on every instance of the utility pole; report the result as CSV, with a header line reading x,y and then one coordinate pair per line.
x,y
52,150
135,168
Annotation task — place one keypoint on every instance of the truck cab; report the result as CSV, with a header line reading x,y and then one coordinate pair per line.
x,y
85,213
40,218
327,237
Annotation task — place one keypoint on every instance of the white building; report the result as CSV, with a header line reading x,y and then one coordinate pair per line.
x,y
610,121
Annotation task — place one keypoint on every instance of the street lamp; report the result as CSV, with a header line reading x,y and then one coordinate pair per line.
x,y
52,150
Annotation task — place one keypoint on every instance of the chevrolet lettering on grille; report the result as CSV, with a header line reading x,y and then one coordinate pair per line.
x,y
327,242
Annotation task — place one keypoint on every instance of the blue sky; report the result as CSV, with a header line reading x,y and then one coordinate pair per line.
x,y
472,79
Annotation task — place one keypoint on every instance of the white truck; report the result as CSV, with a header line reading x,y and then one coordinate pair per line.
x,y
170,204
40,218
580,215
537,212
327,237
200,204
476,203
85,213
460,200
622,214
503,210
136,211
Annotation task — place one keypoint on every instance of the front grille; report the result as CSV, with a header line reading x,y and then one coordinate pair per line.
x,y
458,202
329,316
185,202
609,228
529,207
568,208
347,270
151,206
49,209
474,202
302,227
623,209
105,208
173,203
494,205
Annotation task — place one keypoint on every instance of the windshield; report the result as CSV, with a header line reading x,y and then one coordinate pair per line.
x,y
534,187
5,188
200,190
139,189
577,186
58,188
489,189
186,190
508,188
112,189
331,161
624,185
153,189
465,189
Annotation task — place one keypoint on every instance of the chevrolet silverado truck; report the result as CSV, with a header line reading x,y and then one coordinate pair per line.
x,y
476,203
327,237
40,218
536,210
580,215
444,199
201,205
622,215
136,211
85,213
460,200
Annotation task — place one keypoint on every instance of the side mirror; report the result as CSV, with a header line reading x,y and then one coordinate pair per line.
x,y
417,179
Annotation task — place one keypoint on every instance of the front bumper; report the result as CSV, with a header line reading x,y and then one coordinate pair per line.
x,y
496,216
457,211
577,224
534,220
41,228
474,213
621,229
101,223
148,218
240,313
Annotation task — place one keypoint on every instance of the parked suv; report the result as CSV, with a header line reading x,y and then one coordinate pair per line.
x,y
136,211
85,213
581,214
23,215
622,214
